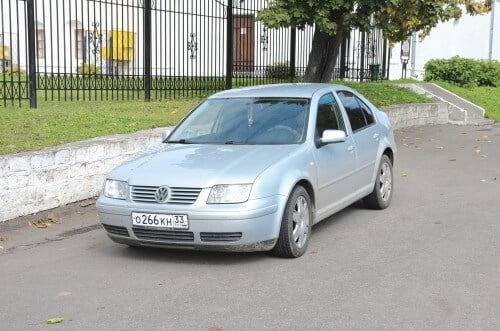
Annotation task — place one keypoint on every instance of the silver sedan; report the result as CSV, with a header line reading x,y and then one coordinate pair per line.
x,y
253,169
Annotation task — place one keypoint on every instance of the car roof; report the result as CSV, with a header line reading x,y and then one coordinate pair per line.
x,y
301,90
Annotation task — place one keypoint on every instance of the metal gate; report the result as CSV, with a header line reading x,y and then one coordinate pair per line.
x,y
150,49
363,56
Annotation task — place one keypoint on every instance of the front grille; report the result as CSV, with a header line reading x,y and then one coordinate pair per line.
x,y
220,236
176,195
161,235
116,230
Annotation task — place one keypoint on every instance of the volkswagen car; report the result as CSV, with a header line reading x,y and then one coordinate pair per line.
x,y
253,169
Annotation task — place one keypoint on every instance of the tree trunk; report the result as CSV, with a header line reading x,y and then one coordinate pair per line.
x,y
323,56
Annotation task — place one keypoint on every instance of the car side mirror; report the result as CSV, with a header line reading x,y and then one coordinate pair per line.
x,y
333,136
165,134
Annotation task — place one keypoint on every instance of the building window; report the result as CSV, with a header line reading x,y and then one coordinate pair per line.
x,y
79,43
40,44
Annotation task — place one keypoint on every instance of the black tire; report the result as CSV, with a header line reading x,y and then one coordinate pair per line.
x,y
381,196
292,245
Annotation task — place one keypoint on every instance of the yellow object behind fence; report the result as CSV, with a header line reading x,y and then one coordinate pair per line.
x,y
120,46
5,53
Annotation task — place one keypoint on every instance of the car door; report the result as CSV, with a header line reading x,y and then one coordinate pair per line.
x,y
366,136
334,162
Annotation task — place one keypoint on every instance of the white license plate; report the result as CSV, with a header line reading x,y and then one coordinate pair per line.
x,y
161,221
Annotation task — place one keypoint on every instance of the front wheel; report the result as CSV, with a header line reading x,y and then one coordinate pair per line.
x,y
381,196
296,224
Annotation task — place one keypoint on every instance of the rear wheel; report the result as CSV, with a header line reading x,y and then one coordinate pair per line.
x,y
295,228
381,196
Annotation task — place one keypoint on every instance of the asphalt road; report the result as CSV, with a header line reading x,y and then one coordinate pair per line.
x,y
429,262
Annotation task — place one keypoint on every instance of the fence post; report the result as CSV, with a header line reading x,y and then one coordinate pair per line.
x,y
385,70
363,49
293,47
147,50
229,45
31,52
343,49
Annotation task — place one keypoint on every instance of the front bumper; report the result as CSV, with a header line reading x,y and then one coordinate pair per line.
x,y
250,226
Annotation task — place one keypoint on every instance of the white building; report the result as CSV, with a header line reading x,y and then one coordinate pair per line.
x,y
469,37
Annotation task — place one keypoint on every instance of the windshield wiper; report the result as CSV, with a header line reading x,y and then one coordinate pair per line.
x,y
180,141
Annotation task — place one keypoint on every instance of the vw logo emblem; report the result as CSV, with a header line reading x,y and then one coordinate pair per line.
x,y
161,194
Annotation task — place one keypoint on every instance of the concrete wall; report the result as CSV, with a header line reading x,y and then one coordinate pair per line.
x,y
35,181
403,116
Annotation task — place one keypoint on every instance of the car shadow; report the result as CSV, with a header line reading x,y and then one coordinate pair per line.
x,y
181,256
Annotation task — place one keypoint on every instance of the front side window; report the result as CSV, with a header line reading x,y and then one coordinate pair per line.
x,y
245,121
329,116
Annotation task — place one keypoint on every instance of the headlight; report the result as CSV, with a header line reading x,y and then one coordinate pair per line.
x,y
229,193
115,189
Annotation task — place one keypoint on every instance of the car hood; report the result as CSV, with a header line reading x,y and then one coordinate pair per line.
x,y
199,165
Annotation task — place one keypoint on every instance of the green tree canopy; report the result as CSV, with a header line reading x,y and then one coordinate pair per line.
x,y
332,19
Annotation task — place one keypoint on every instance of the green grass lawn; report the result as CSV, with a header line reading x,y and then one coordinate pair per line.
x,y
385,94
486,97
54,123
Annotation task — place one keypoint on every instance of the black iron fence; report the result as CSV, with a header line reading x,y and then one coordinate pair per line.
x,y
151,49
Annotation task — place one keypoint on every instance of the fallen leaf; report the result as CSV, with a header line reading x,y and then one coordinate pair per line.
x,y
4,238
41,224
1,247
486,139
438,222
438,147
216,328
483,180
477,149
494,178
452,160
404,174
314,251
55,320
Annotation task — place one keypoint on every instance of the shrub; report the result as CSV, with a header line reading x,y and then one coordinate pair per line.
x,y
464,72
88,69
489,74
278,70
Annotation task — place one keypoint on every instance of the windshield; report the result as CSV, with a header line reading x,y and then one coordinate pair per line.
x,y
245,121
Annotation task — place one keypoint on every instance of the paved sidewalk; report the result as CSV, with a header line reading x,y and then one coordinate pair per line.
x,y
60,223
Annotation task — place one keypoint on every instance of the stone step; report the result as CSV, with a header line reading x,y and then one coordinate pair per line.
x,y
461,111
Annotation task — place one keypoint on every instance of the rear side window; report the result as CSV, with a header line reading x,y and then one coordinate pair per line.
x,y
359,114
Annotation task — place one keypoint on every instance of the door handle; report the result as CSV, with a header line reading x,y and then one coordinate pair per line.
x,y
350,148
376,136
